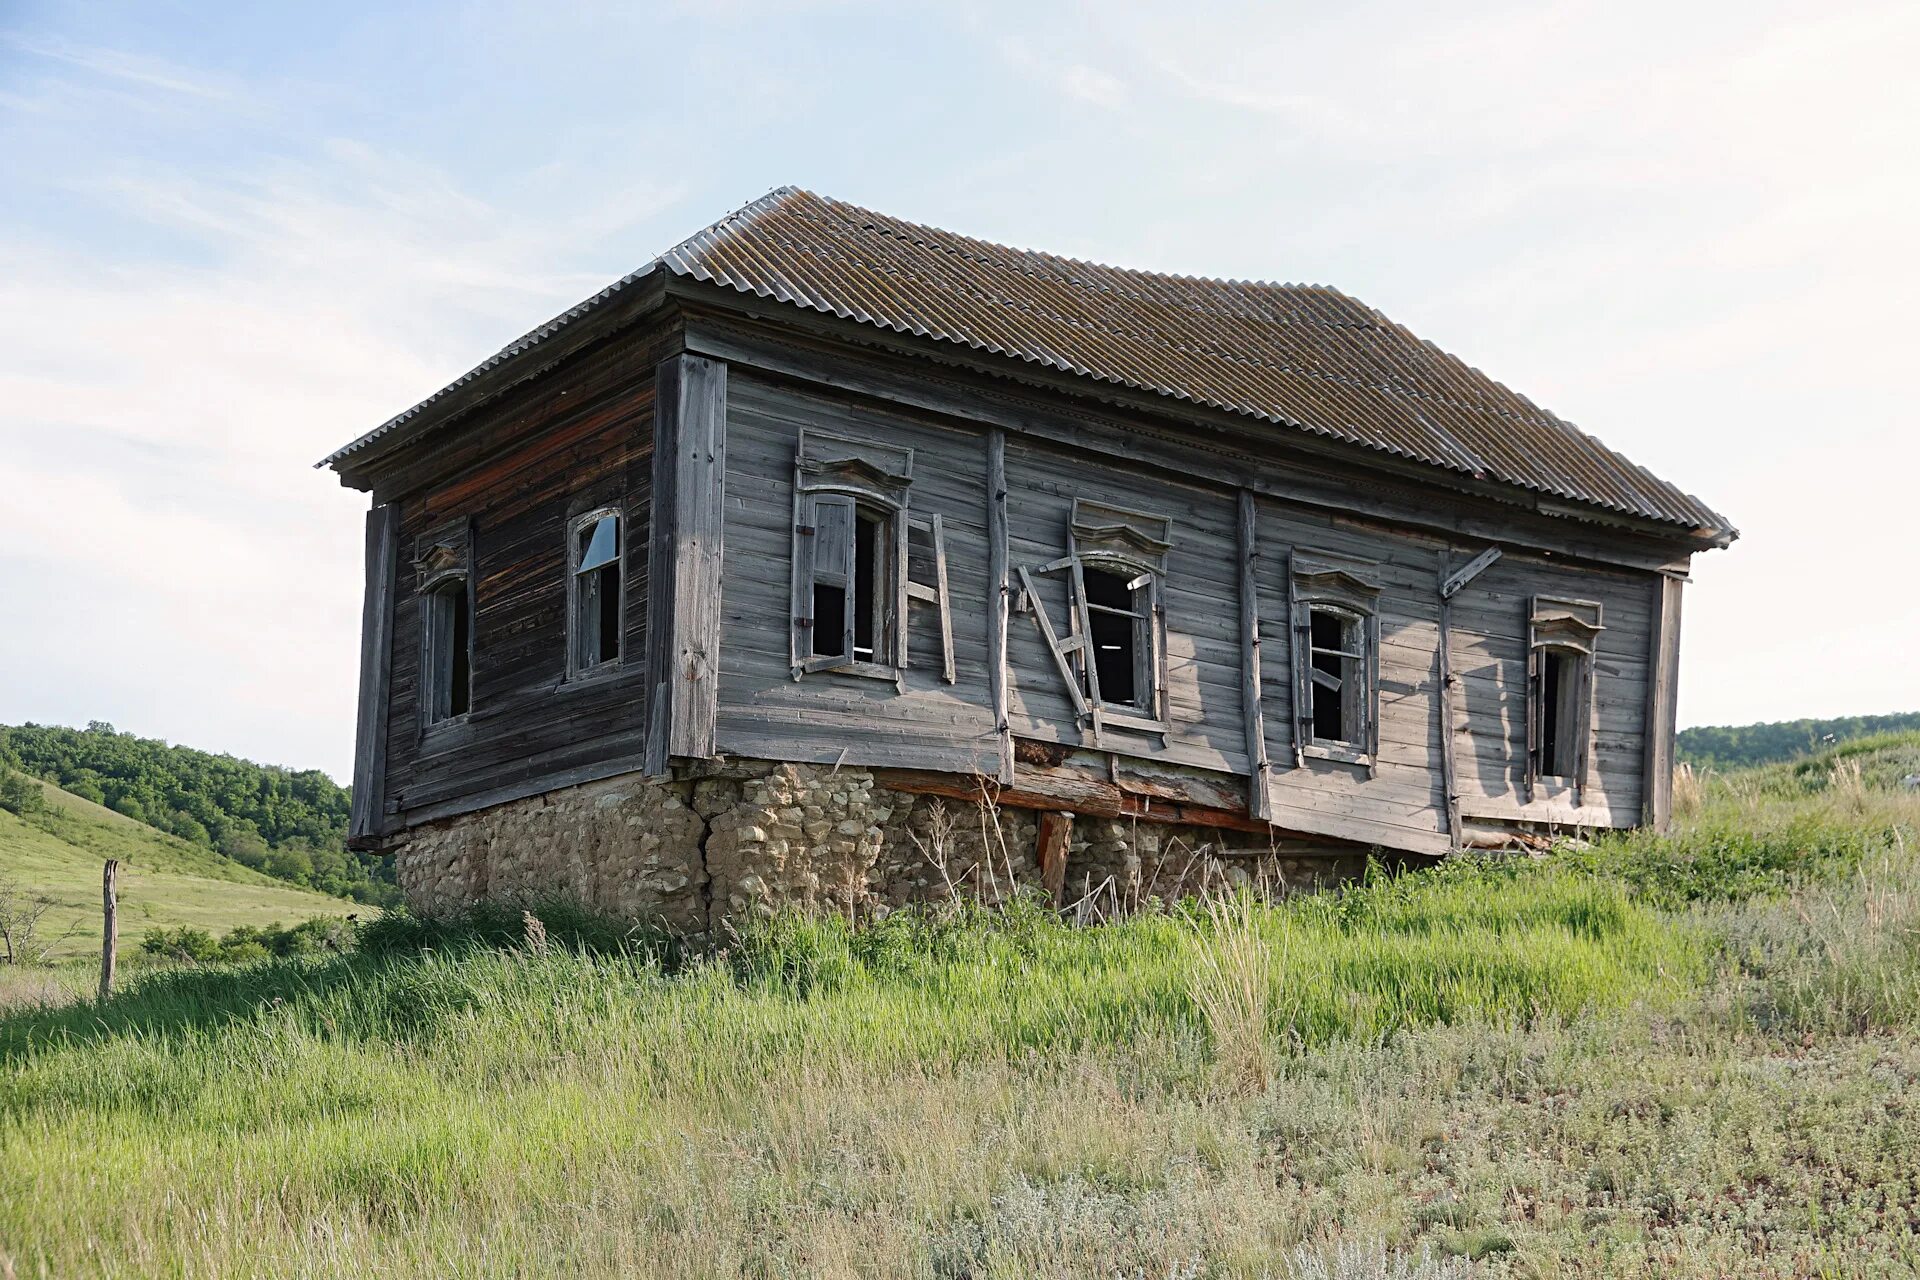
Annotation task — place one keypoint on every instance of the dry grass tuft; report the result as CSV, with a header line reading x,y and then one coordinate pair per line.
x,y
1231,983
1689,792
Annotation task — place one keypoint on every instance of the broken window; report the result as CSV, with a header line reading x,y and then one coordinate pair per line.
x,y
1112,654
595,615
846,550
1561,636
1337,645
1336,659
1119,603
851,555
449,649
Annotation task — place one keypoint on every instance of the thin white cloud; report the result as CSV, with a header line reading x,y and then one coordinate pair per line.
x,y
116,64
1090,84
161,420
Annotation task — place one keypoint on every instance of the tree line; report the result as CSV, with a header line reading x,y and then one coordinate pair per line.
x,y
1732,746
289,824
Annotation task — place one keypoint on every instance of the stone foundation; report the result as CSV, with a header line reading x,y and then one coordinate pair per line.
x,y
751,837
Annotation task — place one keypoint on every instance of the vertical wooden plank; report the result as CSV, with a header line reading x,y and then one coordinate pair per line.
x,y
902,534
1299,645
998,603
1259,803
1449,766
1662,703
684,558
1055,838
376,670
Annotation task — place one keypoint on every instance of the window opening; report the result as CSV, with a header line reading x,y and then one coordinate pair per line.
x,y
1560,719
1334,651
871,545
1561,635
1334,639
449,650
596,584
1117,618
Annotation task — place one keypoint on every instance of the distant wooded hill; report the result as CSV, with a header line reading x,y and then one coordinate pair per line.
x,y
290,824
1729,746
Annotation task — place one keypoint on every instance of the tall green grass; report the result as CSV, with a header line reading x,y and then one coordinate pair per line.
x,y
1501,1054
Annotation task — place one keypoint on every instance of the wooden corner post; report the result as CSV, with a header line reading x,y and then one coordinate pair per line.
x,y
1259,801
109,925
1451,582
376,675
684,556
998,603
1662,723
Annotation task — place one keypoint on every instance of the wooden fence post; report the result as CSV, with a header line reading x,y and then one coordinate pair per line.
x,y
110,934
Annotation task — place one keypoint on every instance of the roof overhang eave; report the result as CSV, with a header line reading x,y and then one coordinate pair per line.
x,y
518,360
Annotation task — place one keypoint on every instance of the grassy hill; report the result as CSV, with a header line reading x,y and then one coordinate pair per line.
x,y
290,824
1683,1055
164,881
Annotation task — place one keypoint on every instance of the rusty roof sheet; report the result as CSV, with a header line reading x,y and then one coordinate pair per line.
x,y
1304,357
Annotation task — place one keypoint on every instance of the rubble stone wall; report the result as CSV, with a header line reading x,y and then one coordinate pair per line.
x,y
751,837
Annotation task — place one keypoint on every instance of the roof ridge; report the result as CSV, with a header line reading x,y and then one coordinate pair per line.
x,y
1133,272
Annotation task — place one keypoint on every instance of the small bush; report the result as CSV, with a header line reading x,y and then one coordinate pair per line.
x,y
1724,862
502,924
20,794
185,943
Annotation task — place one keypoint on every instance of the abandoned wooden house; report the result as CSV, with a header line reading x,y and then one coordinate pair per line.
x,y
753,577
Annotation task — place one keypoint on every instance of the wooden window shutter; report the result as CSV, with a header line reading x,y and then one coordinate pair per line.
x,y
823,547
1583,726
1157,637
1300,653
935,592
1371,706
1536,700
1062,650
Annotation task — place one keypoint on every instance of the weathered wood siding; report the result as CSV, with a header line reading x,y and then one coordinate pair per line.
x,y
582,438
1402,803
1489,655
832,716
926,723
1200,595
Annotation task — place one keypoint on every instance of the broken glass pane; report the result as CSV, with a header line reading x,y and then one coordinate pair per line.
x,y
602,544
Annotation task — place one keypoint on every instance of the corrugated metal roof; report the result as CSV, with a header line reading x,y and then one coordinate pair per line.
x,y
1303,356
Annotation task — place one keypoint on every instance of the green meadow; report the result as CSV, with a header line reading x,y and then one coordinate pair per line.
x,y
1682,1055
165,882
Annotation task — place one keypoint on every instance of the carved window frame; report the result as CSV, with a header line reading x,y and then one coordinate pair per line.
x,y
443,570
1349,589
579,669
1569,630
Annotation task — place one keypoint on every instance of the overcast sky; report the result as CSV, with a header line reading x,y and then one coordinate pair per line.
x,y
235,237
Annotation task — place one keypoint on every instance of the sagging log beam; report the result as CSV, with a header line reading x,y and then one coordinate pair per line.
x,y
1056,791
